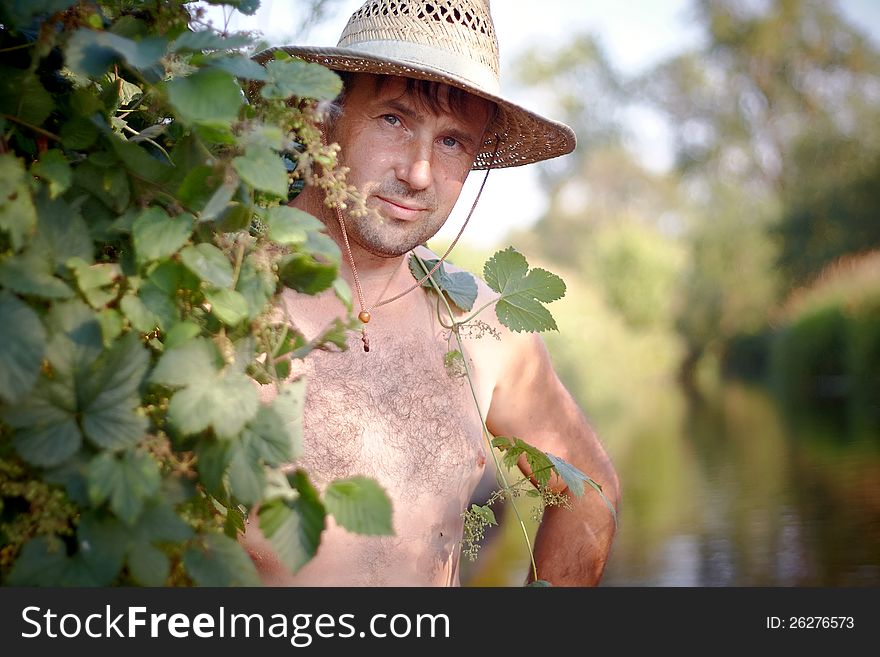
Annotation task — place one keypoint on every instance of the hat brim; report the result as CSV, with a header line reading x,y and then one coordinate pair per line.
x,y
526,137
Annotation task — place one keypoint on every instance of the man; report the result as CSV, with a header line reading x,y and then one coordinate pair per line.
x,y
422,108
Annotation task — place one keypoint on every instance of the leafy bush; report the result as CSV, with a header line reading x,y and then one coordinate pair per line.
x,y
828,338
142,248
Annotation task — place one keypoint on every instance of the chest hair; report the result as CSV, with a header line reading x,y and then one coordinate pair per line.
x,y
393,414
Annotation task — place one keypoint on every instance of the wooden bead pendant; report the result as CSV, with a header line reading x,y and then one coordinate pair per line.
x,y
364,316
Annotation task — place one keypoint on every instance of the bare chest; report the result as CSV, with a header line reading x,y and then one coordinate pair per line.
x,y
393,414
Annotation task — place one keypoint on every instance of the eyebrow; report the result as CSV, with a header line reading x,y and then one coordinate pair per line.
x,y
413,114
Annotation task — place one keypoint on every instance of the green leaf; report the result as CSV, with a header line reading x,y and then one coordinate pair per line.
x,y
127,481
139,160
234,525
62,233
538,461
343,292
127,91
75,339
247,474
111,323
220,561
359,505
90,53
240,66
208,263
137,313
159,522
171,277
572,477
229,306
484,512
294,527
71,476
247,7
94,280
268,437
225,403
148,565
198,185
78,133
42,562
20,13
22,344
53,168
22,95
108,183
211,97
304,273
212,461
46,432
31,275
289,225
101,549
575,479
159,304
218,203
289,405
17,214
293,77
156,235
522,292
180,334
192,363
256,286
460,286
108,395
262,169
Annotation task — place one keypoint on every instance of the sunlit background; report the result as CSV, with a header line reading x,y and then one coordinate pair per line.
x,y
718,230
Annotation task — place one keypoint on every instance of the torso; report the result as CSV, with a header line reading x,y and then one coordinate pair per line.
x,y
395,415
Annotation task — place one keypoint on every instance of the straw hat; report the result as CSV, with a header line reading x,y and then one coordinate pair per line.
x,y
448,41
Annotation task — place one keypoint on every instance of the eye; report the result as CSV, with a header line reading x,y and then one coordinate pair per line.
x,y
391,119
450,142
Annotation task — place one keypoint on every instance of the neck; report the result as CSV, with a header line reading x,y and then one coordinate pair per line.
x,y
375,272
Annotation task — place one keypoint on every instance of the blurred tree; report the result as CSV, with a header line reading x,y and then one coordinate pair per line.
x,y
782,105
831,208
776,126
771,76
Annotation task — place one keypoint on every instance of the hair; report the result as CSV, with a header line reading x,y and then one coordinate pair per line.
x,y
428,92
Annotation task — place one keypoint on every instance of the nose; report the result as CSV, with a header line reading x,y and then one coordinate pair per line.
x,y
414,167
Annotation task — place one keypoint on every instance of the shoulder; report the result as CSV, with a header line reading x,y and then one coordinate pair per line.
x,y
496,350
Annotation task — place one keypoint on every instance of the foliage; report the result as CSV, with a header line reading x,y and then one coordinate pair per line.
x,y
522,292
142,249
827,340
832,207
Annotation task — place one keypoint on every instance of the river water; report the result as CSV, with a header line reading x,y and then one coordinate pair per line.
x,y
732,490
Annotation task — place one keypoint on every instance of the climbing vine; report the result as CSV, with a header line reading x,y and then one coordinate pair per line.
x,y
145,166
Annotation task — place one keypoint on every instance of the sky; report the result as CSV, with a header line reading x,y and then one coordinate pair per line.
x,y
636,34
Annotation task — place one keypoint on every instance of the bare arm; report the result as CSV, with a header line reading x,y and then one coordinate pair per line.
x,y
529,402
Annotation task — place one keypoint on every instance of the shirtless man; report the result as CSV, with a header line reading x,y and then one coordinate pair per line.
x,y
393,413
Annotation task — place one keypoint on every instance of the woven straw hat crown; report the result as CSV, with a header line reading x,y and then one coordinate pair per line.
x,y
448,41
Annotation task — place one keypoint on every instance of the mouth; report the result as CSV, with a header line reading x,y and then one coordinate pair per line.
x,y
399,209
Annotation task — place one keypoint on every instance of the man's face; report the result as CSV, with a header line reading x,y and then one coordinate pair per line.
x,y
409,160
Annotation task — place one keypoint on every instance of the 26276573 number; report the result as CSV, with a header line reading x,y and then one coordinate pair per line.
x,y
810,623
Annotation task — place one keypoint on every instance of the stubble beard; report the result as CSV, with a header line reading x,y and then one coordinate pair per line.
x,y
390,238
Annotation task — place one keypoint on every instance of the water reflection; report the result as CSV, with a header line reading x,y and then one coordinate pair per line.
x,y
733,491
